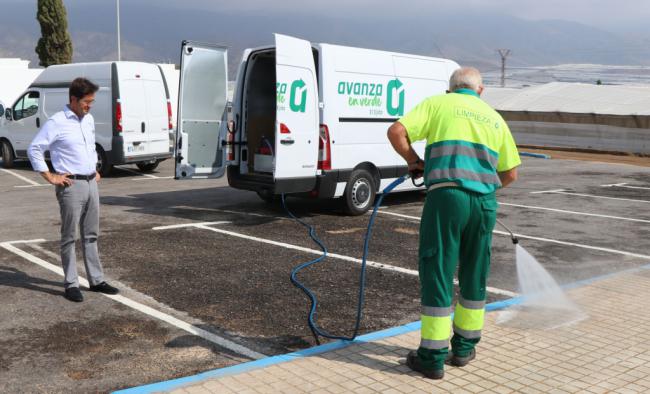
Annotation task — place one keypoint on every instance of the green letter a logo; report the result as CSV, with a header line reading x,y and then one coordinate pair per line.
x,y
298,88
394,90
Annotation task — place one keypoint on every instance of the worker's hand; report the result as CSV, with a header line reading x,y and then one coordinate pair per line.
x,y
59,179
416,169
97,176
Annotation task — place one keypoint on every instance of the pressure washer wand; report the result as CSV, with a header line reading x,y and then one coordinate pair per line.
x,y
515,240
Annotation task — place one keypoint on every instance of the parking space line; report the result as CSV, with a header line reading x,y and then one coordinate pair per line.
x,y
153,177
29,186
548,191
626,186
223,342
373,264
187,225
574,212
615,251
228,211
136,172
563,191
22,178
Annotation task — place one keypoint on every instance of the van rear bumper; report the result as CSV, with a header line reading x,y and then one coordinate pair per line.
x,y
266,183
116,154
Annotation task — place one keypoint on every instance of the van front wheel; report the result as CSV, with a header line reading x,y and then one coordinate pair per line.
x,y
104,166
8,156
359,192
147,166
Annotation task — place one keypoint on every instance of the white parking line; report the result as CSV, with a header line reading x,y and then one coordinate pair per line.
x,y
626,186
563,191
187,225
643,256
548,191
223,342
228,211
30,186
573,212
22,178
150,178
136,172
373,264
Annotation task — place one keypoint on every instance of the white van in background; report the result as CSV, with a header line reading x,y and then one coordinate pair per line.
x,y
132,112
2,117
306,118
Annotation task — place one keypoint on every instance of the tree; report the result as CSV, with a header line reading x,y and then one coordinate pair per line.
x,y
54,46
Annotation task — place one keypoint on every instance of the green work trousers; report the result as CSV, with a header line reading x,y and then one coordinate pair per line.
x,y
456,229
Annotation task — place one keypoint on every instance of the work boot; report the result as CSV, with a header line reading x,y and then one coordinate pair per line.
x,y
458,361
413,362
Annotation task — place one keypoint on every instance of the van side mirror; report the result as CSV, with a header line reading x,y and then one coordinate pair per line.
x,y
8,114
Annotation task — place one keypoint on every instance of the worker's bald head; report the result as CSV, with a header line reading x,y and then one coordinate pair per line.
x,y
466,78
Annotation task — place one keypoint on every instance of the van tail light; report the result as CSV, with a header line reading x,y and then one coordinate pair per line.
x,y
324,149
118,116
230,151
284,129
169,114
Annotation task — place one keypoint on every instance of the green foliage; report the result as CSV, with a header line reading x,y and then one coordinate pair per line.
x,y
54,46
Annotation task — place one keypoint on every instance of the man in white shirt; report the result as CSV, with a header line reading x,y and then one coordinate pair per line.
x,y
69,135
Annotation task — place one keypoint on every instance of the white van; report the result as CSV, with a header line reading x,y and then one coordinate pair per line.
x,y
132,112
306,118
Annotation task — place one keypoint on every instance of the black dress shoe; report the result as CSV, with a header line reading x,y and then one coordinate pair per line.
x,y
73,294
413,362
104,288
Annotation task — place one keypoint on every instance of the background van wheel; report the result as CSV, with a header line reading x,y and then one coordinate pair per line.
x,y
268,197
7,153
147,166
359,192
104,165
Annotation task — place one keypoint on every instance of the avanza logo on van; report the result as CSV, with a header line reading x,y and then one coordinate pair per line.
x,y
371,96
297,95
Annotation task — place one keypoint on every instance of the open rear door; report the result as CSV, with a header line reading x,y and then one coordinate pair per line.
x,y
202,98
296,129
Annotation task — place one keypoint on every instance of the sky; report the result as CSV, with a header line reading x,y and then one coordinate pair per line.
x,y
608,31
600,13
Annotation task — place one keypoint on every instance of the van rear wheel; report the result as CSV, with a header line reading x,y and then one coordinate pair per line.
x,y
268,197
8,156
359,192
147,166
104,166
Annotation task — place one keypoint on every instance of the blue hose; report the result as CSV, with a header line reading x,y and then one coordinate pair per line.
x,y
317,331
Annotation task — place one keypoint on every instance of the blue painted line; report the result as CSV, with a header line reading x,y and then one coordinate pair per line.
x,y
537,155
370,337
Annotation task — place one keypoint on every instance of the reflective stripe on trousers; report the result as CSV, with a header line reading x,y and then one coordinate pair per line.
x,y
468,318
436,327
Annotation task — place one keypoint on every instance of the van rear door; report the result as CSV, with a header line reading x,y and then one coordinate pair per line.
x,y
296,128
202,99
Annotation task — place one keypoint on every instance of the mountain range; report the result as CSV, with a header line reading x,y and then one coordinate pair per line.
x,y
155,34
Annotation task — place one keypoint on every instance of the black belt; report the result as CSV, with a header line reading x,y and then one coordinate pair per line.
x,y
83,177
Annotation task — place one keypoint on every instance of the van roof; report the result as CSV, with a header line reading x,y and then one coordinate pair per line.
x,y
98,72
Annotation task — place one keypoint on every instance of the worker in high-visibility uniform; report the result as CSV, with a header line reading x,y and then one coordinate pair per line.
x,y
470,153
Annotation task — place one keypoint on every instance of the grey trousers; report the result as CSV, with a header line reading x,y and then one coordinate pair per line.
x,y
79,204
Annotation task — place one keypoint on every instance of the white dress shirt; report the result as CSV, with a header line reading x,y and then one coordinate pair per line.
x,y
71,143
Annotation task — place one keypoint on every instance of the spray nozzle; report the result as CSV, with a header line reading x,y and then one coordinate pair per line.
x,y
514,239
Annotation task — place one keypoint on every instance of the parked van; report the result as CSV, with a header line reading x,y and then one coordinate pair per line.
x,y
132,112
306,118
2,118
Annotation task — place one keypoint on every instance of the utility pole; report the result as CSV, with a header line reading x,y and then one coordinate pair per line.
x,y
504,54
119,55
